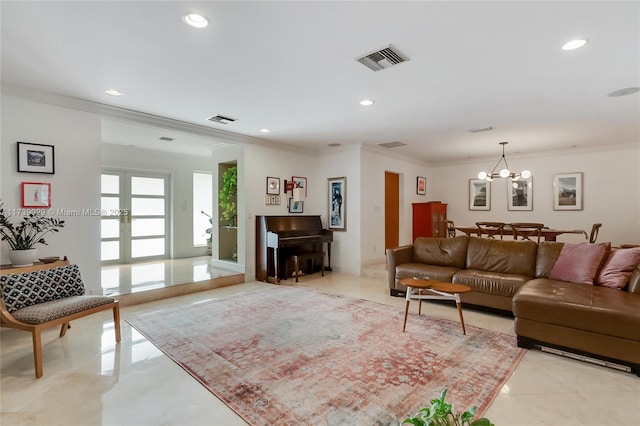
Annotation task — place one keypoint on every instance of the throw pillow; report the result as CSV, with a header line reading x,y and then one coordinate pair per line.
x,y
618,267
579,263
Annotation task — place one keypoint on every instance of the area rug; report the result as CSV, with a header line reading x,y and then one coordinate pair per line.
x,y
294,356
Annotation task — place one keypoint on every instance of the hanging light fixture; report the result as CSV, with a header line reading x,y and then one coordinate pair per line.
x,y
503,173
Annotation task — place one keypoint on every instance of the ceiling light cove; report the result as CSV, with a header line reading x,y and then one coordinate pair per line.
x,y
195,20
575,44
113,92
367,102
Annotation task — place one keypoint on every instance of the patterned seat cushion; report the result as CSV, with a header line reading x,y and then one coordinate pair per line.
x,y
48,311
32,288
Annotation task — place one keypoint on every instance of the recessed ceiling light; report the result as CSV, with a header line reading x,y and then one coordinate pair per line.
x,y
113,92
195,20
624,92
575,44
265,130
367,102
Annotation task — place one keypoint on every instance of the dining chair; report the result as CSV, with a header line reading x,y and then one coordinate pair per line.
x,y
594,232
526,230
491,229
451,229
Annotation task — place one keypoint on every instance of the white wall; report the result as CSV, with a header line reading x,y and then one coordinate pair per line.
x,y
180,167
611,193
75,184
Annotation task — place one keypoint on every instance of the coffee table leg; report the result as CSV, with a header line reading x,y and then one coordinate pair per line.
x,y
406,309
459,305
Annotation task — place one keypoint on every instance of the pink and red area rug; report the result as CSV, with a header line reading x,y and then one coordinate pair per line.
x,y
294,355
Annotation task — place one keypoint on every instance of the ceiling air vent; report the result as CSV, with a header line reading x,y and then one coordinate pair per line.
x,y
382,59
166,139
393,144
221,119
484,129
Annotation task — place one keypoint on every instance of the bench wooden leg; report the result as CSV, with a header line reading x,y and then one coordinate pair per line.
x,y
116,321
64,328
37,351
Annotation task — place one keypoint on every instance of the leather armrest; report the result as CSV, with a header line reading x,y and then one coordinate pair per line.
x,y
397,256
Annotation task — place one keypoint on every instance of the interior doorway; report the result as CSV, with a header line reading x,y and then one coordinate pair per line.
x,y
391,210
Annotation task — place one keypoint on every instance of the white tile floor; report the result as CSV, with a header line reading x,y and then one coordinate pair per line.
x,y
88,380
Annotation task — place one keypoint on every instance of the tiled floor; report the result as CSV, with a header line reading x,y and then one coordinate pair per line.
x,y
88,380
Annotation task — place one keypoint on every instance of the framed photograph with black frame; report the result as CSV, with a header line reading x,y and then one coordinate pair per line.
x,y
36,158
520,194
421,185
479,194
567,191
337,203
36,195
296,206
273,185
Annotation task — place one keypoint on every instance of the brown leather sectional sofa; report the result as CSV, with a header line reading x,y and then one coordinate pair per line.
x,y
584,319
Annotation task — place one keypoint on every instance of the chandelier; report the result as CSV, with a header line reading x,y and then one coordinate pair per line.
x,y
505,172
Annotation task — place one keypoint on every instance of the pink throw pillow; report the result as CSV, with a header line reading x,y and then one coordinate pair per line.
x,y
579,263
618,268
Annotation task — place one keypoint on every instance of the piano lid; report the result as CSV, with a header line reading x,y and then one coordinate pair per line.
x,y
291,223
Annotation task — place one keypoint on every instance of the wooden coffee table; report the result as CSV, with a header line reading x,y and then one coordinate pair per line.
x,y
437,290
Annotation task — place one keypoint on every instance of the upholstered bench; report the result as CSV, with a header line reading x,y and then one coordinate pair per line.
x,y
37,300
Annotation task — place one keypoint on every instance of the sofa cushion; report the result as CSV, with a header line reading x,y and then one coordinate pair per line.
x,y
617,268
441,251
583,307
502,256
579,263
420,270
491,282
31,288
548,253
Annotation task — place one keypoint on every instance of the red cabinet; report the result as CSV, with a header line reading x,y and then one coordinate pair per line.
x,y
429,219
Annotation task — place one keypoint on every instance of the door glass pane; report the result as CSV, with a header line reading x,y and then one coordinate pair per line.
x,y
110,184
147,247
147,227
110,206
110,250
147,206
147,186
202,203
110,228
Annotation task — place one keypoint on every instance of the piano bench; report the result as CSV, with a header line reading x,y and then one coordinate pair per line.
x,y
304,258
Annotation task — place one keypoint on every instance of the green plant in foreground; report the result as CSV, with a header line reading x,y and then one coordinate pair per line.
x,y
29,231
440,414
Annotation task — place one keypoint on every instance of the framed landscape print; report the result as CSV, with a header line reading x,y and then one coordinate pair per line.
x,y
36,195
520,194
567,191
35,158
479,194
337,203
421,186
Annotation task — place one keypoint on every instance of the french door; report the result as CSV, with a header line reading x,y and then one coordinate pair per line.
x,y
134,216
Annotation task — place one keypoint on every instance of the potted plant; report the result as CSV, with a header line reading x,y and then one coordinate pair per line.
x,y
226,195
440,414
23,236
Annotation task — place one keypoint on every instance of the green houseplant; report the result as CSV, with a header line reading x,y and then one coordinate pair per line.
x,y
227,193
29,231
440,414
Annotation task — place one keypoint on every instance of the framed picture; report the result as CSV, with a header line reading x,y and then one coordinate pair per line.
x,y
296,206
567,191
35,158
479,194
36,194
300,183
337,203
273,185
421,186
520,194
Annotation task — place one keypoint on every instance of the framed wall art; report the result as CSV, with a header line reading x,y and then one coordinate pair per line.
x,y
300,183
421,186
520,194
36,158
296,206
479,194
567,191
273,185
36,195
337,203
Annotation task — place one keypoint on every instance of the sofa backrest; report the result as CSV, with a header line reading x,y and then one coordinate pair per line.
x,y
502,256
548,253
441,251
32,288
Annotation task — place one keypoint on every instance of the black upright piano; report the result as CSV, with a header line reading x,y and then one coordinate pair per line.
x,y
278,237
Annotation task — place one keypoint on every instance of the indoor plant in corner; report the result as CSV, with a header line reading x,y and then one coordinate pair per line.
x,y
23,236
226,195
440,414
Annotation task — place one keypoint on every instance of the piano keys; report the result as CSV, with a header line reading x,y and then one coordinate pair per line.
x,y
278,237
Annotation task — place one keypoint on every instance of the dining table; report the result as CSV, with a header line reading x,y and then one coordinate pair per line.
x,y
549,234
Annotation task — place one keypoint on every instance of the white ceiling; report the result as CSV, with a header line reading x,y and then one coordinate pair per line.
x,y
289,67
